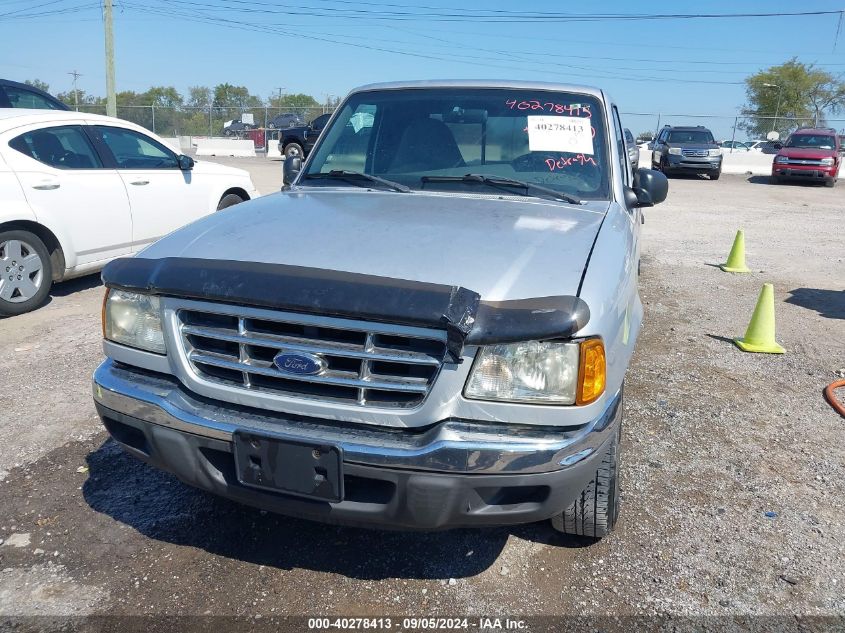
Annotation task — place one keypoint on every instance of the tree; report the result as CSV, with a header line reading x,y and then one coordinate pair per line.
x,y
163,96
238,97
199,97
796,93
37,83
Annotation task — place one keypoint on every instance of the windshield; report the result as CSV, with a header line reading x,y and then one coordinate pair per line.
x,y
690,136
811,141
552,139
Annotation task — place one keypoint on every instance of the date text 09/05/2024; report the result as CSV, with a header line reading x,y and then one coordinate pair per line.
x,y
416,624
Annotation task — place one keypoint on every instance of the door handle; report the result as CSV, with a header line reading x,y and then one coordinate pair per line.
x,y
140,182
47,186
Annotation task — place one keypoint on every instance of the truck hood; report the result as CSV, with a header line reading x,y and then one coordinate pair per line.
x,y
502,248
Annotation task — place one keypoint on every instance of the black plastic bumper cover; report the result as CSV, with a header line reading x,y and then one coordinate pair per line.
x,y
374,497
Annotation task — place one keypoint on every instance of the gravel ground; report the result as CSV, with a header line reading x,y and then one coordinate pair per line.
x,y
733,464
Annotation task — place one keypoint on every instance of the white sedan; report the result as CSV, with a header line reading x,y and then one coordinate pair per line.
x,y
78,190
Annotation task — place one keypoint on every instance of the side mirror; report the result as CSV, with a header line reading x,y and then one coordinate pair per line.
x,y
186,163
290,169
650,188
778,145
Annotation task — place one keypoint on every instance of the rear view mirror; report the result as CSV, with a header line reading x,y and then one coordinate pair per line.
x,y
290,169
651,187
186,163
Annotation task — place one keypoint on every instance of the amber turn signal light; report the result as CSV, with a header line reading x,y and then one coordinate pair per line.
x,y
592,371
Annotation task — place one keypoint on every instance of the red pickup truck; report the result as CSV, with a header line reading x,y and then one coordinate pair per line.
x,y
808,154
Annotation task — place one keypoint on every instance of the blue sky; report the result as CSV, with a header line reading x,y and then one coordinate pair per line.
x,y
649,66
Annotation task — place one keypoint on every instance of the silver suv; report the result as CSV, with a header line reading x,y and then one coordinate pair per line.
x,y
428,328
691,150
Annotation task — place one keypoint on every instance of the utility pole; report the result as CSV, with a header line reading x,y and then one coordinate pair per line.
x,y
279,103
111,100
76,76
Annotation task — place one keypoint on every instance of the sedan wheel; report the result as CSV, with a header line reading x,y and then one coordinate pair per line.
x,y
25,272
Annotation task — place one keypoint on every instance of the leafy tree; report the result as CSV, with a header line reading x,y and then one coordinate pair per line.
x,y
645,136
199,97
163,96
37,83
72,97
288,102
791,91
229,96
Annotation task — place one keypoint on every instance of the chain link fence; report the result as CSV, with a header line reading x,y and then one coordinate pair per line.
x,y
743,128
212,121
187,121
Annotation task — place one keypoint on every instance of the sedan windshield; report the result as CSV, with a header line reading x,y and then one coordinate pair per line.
x,y
811,141
432,138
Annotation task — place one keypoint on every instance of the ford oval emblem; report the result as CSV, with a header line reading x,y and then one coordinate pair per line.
x,y
300,363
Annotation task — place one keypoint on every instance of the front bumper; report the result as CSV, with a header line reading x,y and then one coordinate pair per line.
x,y
804,172
454,473
697,165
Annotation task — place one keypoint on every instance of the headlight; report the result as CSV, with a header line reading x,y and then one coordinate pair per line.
x,y
133,319
675,151
714,152
827,161
781,160
540,373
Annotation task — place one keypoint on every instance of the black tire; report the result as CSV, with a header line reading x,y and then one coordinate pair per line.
x,y
664,167
14,305
595,511
294,149
830,182
714,175
229,200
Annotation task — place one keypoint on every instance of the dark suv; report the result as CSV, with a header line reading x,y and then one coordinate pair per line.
x,y
687,149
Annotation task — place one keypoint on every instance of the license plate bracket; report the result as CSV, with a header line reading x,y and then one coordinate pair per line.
x,y
305,469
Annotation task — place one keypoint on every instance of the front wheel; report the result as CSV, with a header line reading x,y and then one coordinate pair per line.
x,y
830,182
596,509
229,200
293,150
26,273
714,175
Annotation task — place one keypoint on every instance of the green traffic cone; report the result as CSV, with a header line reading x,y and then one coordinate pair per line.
x,y
760,335
736,260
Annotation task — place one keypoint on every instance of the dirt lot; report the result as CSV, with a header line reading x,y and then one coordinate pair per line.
x,y
732,477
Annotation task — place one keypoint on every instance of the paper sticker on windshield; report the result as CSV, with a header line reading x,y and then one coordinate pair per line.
x,y
560,134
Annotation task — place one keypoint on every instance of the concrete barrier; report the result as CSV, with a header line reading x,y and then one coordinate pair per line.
x,y
757,163
179,144
273,149
172,143
225,147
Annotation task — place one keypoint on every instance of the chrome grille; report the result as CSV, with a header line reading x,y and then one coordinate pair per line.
x,y
815,162
367,364
694,153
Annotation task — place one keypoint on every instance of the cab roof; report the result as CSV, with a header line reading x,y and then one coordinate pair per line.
x,y
483,83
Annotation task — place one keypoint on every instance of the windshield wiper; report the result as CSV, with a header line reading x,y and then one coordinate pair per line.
x,y
351,176
504,183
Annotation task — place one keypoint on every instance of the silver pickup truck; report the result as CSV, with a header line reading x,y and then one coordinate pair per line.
x,y
429,327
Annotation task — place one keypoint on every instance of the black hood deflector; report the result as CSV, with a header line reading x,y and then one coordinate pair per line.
x,y
461,312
